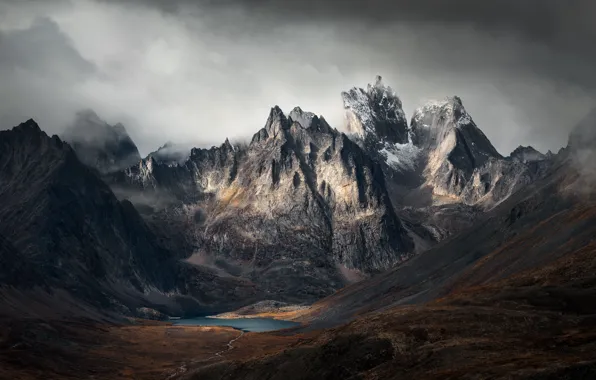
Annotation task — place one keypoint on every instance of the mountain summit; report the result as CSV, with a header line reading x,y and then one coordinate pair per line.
x,y
442,152
100,145
376,115
289,210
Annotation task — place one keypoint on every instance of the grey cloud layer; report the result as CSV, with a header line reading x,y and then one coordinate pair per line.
x,y
568,24
204,71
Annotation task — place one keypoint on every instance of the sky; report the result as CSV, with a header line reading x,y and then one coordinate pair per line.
x,y
200,71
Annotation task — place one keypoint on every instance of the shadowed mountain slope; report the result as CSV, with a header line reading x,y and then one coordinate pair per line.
x,y
62,228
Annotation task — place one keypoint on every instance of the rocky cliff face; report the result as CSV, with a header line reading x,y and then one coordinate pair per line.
x,y
536,236
288,210
459,161
442,156
301,204
99,145
376,118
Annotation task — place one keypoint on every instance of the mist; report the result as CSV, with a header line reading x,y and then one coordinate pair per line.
x,y
198,73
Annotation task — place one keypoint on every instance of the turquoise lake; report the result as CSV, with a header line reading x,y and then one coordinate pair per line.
x,y
244,324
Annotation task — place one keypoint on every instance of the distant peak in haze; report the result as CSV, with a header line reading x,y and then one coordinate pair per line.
x,y
88,115
100,145
171,153
527,154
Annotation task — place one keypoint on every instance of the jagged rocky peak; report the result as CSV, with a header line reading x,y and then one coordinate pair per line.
x,y
222,152
309,121
376,113
305,119
527,154
446,126
301,190
28,125
296,123
458,162
100,145
68,231
276,122
171,153
28,128
31,140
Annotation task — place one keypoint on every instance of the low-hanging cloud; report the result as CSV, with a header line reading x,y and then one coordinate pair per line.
x,y
187,71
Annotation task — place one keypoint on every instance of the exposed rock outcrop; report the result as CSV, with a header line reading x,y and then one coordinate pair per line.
x,y
442,156
300,200
375,118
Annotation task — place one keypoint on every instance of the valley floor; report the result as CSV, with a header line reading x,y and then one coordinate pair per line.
x,y
500,332
538,324
433,342
150,350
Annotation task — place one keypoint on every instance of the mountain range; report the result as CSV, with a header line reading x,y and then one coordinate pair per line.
x,y
392,212
294,215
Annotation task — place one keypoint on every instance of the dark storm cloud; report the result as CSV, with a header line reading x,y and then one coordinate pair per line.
x,y
43,49
566,23
38,67
187,70
566,27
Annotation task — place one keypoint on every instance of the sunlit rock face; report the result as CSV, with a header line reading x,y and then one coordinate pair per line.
x,y
301,204
442,153
72,241
288,209
457,155
460,162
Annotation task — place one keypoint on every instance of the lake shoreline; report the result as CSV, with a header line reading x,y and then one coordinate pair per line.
x,y
240,324
267,309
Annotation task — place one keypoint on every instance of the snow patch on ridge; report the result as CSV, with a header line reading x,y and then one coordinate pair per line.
x,y
357,101
401,156
445,108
